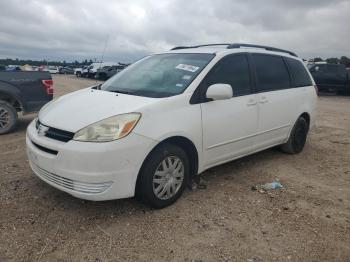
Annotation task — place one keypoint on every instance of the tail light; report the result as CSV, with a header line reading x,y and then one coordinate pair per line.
x,y
48,85
316,89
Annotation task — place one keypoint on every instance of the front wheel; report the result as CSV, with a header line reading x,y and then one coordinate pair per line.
x,y
297,138
164,176
8,117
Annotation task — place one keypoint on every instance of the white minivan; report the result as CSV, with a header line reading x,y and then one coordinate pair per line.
x,y
151,128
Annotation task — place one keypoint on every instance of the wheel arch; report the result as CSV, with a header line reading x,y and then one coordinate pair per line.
x,y
12,100
186,144
306,116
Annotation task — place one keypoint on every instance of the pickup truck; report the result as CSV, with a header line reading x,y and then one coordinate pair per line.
x,y
331,77
22,91
91,70
79,71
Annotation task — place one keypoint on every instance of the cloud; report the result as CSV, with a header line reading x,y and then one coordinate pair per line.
x,y
78,29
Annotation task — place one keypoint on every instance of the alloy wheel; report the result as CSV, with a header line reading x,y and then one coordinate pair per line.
x,y
168,177
4,117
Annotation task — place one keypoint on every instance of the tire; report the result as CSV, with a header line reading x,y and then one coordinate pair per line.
x,y
297,138
103,77
157,187
78,74
8,117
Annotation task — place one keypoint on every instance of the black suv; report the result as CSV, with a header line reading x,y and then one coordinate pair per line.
x,y
331,77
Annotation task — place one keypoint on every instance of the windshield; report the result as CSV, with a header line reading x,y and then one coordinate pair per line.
x,y
158,75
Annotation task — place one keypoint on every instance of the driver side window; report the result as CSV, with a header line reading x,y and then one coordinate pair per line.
x,y
232,70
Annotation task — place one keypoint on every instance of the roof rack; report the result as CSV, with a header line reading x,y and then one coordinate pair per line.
x,y
239,45
268,48
196,46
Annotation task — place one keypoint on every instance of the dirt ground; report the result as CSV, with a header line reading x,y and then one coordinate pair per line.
x,y
228,221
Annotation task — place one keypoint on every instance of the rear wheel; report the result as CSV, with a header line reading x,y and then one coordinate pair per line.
x,y
297,138
8,117
164,176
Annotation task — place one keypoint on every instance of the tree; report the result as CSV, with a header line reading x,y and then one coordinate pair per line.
x,y
318,59
332,60
345,61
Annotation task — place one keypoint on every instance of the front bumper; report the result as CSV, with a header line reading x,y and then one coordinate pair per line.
x,y
92,171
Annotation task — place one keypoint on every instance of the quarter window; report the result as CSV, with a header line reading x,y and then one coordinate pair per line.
x,y
271,73
232,70
299,73
332,69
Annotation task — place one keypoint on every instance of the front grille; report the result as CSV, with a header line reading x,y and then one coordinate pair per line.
x,y
77,186
57,134
60,135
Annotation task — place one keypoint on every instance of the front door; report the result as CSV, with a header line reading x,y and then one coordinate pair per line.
x,y
229,126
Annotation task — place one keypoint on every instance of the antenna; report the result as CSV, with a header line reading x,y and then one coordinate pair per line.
x,y
103,52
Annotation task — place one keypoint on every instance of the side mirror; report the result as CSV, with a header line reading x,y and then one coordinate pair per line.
x,y
219,92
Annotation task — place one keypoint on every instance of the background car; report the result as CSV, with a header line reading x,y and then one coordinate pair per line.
x,y
109,71
22,91
52,69
78,71
12,68
66,70
91,70
331,77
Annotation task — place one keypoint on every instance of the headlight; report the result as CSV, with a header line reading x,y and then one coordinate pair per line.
x,y
109,129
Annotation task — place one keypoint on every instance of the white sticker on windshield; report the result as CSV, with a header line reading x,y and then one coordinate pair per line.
x,y
189,68
186,77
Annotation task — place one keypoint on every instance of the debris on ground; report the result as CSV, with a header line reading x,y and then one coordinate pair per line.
x,y
255,259
266,187
273,185
199,183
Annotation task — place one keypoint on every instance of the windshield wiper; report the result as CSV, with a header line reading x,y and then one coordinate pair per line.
x,y
122,92
98,87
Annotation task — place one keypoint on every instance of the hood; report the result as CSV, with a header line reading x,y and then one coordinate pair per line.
x,y
79,109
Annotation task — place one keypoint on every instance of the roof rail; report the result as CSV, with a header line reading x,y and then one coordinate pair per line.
x,y
196,46
268,48
238,45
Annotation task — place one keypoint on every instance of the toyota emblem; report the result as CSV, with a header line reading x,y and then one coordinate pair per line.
x,y
42,130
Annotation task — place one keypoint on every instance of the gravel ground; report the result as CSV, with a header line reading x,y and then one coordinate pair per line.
x,y
309,220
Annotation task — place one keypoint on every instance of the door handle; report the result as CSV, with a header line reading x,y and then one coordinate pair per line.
x,y
252,102
263,99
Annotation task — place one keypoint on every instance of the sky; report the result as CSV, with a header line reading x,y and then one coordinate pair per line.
x,y
123,31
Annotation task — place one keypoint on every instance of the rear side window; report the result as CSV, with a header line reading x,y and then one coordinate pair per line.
x,y
332,69
271,72
299,73
232,70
